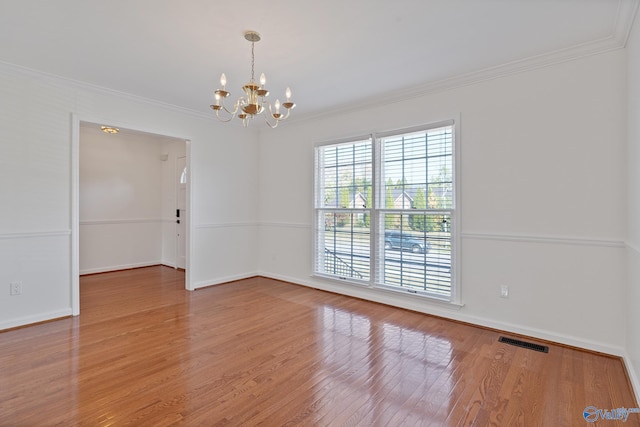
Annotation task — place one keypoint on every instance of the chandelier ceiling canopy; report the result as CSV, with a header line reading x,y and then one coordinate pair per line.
x,y
254,102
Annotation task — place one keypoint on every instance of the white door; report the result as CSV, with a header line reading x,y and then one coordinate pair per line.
x,y
181,213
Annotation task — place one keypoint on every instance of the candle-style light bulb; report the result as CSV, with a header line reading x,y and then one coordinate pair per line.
x,y
217,99
277,105
223,80
288,94
263,79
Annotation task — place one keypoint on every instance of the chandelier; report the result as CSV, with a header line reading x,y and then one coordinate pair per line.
x,y
254,102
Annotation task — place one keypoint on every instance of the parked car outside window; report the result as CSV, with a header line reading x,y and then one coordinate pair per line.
x,y
396,240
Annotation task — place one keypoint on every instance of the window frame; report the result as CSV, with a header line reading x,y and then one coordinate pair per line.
x,y
376,211
316,211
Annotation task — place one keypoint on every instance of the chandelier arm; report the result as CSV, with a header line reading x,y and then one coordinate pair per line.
x,y
281,117
233,113
222,119
286,116
272,126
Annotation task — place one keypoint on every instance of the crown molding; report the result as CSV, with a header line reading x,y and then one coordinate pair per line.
x,y
627,12
80,85
617,39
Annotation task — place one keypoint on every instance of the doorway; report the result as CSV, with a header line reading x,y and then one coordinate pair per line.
x,y
130,194
181,210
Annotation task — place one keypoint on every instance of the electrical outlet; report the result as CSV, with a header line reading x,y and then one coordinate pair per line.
x,y
15,288
504,291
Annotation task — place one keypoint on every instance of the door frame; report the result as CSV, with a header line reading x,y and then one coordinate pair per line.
x,y
75,199
177,190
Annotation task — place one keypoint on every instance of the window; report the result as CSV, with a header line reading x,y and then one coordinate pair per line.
x,y
344,174
385,211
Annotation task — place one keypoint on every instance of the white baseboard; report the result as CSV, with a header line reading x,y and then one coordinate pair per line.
x,y
633,376
226,279
453,313
546,335
106,269
36,318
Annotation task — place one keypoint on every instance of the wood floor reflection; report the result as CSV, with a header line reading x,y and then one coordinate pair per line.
x,y
262,352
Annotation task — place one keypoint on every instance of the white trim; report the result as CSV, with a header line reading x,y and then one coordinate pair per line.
x,y
390,289
285,225
75,191
34,234
80,85
468,79
617,39
633,375
545,335
456,221
555,240
36,318
75,214
169,264
225,279
124,221
623,25
189,285
121,267
632,246
509,237
227,225
448,311
418,128
376,210
346,140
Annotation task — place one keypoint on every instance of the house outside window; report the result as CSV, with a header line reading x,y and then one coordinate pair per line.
x,y
386,212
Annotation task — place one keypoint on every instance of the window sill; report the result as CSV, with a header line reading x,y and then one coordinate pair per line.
x,y
380,289
343,280
420,296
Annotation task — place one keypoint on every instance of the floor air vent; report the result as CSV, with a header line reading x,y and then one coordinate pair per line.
x,y
524,344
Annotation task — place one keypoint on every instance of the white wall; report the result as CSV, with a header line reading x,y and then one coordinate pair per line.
x,y
542,197
121,199
36,183
633,213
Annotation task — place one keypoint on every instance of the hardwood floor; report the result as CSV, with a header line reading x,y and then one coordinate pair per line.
x,y
145,352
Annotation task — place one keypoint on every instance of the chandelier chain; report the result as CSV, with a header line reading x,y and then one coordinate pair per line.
x,y
253,60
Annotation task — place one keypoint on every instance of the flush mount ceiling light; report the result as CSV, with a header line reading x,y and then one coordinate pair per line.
x,y
255,102
109,129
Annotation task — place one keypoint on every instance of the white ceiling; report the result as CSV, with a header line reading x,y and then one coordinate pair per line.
x,y
332,53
